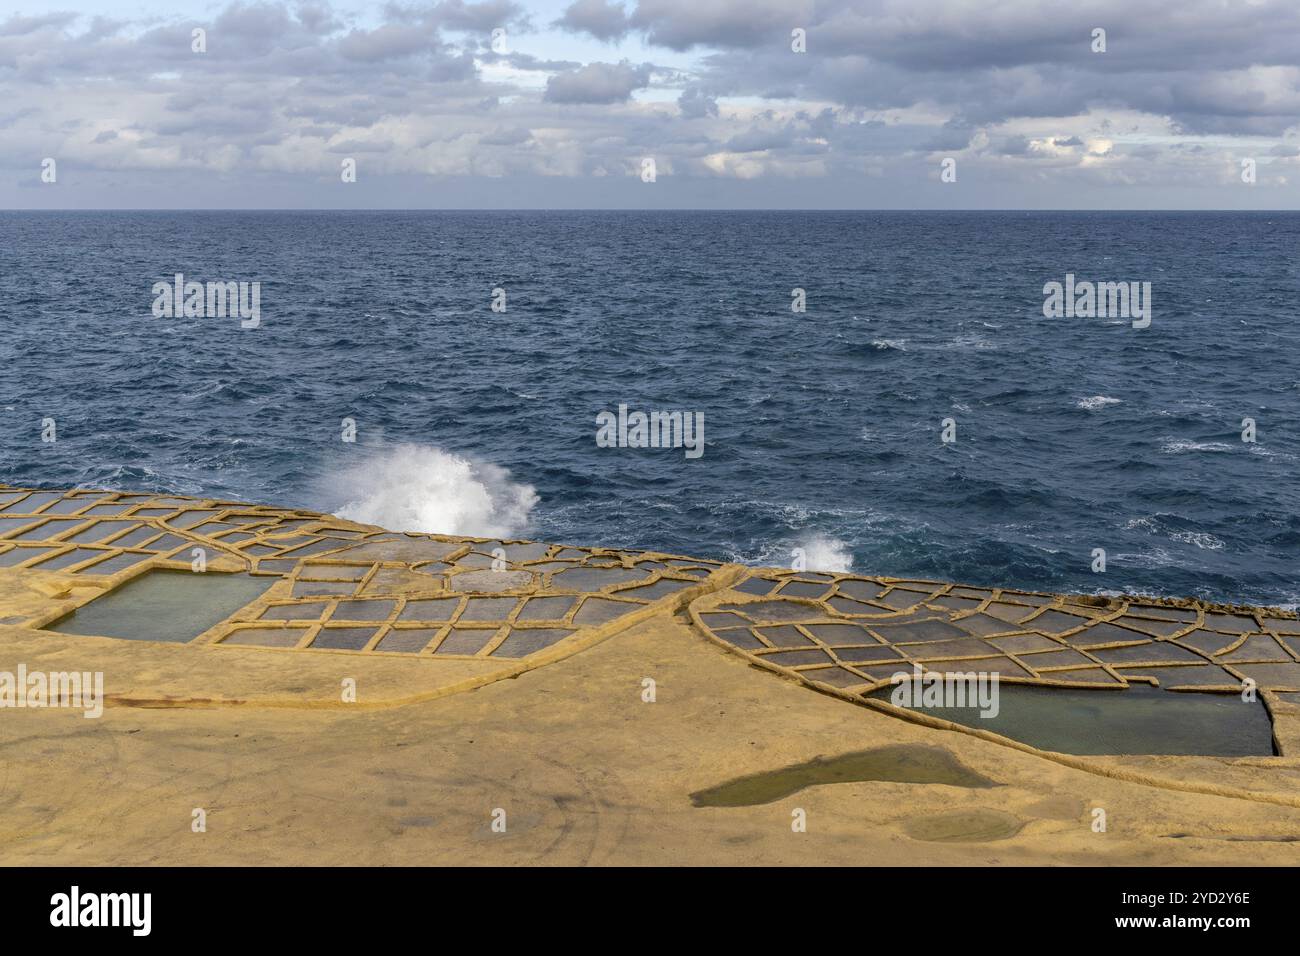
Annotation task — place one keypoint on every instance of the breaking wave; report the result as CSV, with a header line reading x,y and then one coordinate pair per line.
x,y
1096,401
826,554
423,488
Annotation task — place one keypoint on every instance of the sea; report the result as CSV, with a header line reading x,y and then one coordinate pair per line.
x,y
919,417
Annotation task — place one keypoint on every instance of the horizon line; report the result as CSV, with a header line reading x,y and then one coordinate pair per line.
x,y
617,209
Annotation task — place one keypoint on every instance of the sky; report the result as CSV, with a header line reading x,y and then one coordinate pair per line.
x,y
816,104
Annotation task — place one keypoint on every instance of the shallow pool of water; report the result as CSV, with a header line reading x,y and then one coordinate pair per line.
x,y
1139,720
901,763
173,606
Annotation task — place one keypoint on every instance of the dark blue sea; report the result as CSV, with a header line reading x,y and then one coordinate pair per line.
x,y
822,429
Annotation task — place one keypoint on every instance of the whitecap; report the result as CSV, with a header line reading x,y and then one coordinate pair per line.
x,y
1095,402
1202,539
1180,445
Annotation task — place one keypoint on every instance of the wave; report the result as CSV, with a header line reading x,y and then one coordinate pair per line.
x,y
822,553
897,345
1173,447
1095,402
426,489
818,552
1166,525
1202,539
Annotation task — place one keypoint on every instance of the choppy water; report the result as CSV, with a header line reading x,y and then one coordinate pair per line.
x,y
822,429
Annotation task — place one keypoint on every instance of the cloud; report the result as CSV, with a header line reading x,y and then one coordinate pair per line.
x,y
597,83
391,41
602,19
695,104
685,24
482,17
506,137
886,88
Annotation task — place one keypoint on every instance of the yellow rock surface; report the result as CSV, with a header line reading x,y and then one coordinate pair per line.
x,y
542,718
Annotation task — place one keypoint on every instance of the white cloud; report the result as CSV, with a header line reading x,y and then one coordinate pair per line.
x,y
286,88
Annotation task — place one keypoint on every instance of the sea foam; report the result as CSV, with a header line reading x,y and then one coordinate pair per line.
x,y
1096,401
826,554
426,489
